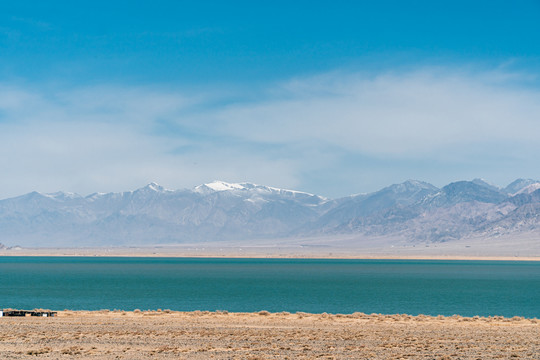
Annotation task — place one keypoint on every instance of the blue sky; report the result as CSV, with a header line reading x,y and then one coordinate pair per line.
x,y
327,97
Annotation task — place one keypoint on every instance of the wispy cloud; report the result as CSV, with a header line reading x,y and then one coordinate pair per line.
x,y
111,139
335,133
398,115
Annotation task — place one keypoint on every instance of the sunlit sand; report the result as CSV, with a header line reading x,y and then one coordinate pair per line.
x,y
221,335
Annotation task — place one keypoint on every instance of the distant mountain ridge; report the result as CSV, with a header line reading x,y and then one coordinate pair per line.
x,y
415,211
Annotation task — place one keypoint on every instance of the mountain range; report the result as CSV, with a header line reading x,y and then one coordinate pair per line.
x,y
413,211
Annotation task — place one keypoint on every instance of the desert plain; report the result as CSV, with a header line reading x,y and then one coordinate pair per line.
x,y
166,334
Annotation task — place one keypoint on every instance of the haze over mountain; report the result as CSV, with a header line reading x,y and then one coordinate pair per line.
x,y
412,212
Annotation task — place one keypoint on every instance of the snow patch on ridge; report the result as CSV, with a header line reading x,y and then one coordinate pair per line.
x,y
529,189
61,196
217,186
223,186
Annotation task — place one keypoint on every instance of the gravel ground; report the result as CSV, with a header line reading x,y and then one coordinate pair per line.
x,y
220,335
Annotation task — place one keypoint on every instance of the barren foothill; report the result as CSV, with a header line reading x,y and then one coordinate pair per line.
x,y
220,335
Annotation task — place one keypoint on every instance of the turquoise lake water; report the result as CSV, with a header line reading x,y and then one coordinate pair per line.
x,y
466,288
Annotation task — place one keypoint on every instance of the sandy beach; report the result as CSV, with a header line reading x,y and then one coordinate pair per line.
x,y
221,335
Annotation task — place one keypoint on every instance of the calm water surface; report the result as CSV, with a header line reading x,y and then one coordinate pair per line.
x,y
336,286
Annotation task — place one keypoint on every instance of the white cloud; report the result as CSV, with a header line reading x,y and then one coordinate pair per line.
x,y
402,115
438,124
107,139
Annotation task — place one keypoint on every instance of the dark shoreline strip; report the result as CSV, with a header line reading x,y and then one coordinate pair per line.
x,y
299,314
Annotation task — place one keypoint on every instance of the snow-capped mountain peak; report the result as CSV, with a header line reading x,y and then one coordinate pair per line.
x,y
62,196
216,186
250,188
154,187
224,186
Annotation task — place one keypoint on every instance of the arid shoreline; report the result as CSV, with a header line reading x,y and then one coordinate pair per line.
x,y
253,253
221,335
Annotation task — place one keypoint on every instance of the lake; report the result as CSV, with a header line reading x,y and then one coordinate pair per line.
x,y
431,287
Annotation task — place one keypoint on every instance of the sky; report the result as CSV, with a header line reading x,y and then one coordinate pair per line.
x,y
329,97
